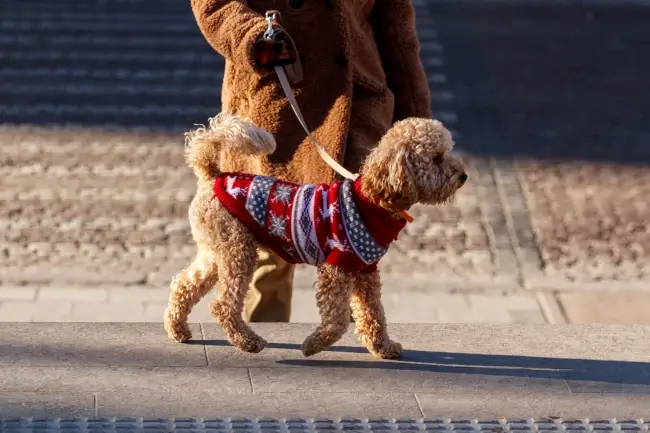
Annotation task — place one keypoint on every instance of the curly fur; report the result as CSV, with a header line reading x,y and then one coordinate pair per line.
x,y
203,146
411,164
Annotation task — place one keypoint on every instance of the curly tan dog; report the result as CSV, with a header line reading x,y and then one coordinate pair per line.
x,y
343,228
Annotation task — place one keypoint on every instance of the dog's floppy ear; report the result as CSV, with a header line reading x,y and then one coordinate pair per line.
x,y
401,180
389,178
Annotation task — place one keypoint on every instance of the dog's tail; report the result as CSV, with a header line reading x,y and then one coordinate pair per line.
x,y
203,145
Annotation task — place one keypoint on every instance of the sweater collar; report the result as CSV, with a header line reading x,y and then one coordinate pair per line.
x,y
381,223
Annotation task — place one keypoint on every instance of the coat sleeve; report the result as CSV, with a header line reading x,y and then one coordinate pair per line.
x,y
393,23
231,28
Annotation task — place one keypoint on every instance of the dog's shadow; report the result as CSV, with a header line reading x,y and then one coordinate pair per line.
x,y
606,371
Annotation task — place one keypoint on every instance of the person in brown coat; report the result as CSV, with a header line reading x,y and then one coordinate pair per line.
x,y
361,71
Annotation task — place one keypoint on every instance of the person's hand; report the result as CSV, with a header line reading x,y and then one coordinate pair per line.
x,y
279,50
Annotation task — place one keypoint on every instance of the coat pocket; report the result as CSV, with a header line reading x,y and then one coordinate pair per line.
x,y
374,82
368,71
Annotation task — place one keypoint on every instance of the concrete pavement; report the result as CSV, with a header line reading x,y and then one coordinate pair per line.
x,y
62,303
561,373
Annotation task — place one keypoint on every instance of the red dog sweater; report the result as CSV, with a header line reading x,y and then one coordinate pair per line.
x,y
312,224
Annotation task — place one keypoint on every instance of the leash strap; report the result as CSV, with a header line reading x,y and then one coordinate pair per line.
x,y
286,88
288,92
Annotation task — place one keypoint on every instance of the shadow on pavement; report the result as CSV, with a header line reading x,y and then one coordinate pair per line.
x,y
617,372
465,364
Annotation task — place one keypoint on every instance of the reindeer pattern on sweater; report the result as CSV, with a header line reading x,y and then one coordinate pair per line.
x,y
308,223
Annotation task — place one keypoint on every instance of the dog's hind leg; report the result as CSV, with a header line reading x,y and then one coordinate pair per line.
x,y
369,317
187,289
237,260
333,289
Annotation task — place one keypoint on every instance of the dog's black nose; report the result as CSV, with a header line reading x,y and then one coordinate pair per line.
x,y
463,177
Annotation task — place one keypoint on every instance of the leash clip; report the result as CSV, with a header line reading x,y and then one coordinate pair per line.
x,y
270,31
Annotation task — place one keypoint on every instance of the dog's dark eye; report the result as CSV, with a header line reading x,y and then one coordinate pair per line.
x,y
438,159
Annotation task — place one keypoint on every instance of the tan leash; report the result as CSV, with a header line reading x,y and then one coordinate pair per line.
x,y
286,88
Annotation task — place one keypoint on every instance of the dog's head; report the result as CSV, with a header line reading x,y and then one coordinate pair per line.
x,y
413,164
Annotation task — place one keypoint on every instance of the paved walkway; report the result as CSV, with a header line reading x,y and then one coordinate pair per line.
x,y
93,220
550,374
136,304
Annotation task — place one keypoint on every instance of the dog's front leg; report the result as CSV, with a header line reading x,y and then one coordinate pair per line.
x,y
333,290
369,317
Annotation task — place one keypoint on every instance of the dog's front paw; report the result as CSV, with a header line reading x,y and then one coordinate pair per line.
x,y
179,332
312,345
250,343
392,350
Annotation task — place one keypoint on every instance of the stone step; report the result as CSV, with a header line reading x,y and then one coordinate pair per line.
x,y
418,303
578,378
80,74
135,57
137,11
116,63
30,42
108,107
102,24
173,123
49,91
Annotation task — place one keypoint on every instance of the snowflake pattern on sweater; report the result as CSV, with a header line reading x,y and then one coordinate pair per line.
x,y
311,224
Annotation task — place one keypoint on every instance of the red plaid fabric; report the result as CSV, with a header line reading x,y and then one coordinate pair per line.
x,y
311,224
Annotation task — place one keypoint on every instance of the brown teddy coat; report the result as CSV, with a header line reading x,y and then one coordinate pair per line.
x,y
351,92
